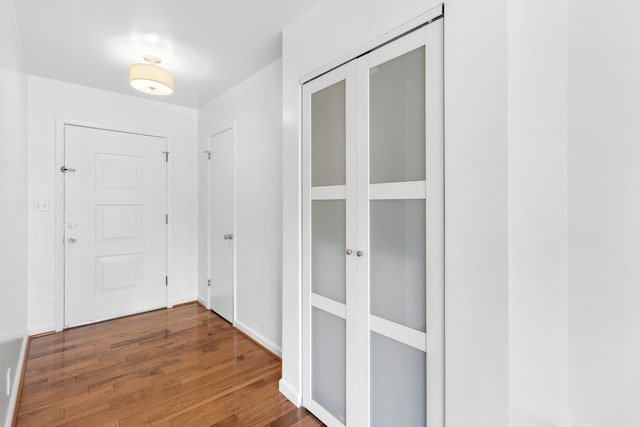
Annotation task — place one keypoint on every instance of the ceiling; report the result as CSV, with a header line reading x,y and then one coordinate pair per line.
x,y
209,45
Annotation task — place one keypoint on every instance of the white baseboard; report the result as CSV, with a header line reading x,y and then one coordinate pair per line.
x,y
290,393
50,327
13,399
178,301
272,347
202,301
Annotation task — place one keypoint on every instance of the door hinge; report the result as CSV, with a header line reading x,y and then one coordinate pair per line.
x,y
166,156
166,280
208,282
208,153
65,169
166,218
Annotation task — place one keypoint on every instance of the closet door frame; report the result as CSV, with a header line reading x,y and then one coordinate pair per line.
x,y
345,192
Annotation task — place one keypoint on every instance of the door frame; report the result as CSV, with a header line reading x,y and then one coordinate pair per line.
x,y
221,130
59,208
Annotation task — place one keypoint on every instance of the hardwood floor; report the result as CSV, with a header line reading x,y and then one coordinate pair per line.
x,y
183,366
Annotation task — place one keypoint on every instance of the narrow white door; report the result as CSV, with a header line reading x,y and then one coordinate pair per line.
x,y
401,231
329,246
115,224
222,238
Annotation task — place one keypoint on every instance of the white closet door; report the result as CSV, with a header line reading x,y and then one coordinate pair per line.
x,y
400,231
373,245
329,233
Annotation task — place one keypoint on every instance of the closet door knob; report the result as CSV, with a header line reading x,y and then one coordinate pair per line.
x,y
359,253
348,252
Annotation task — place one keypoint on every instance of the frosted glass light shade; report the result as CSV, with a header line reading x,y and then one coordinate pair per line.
x,y
151,79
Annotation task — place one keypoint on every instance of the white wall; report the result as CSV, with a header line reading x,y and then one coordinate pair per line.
x,y
604,213
476,268
50,100
476,187
538,282
13,207
253,108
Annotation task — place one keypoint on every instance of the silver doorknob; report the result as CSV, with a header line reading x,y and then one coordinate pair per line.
x,y
359,253
228,236
348,252
72,240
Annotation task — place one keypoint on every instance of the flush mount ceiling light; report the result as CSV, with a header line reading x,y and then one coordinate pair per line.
x,y
149,78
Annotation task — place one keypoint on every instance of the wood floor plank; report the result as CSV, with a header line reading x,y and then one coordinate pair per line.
x,y
183,366
229,401
211,394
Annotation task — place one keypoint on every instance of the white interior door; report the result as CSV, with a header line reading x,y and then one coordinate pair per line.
x,y
115,224
401,231
222,238
329,245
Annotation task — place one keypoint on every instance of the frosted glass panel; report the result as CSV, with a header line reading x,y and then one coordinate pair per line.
x,y
328,136
397,119
398,282
327,249
398,384
328,372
